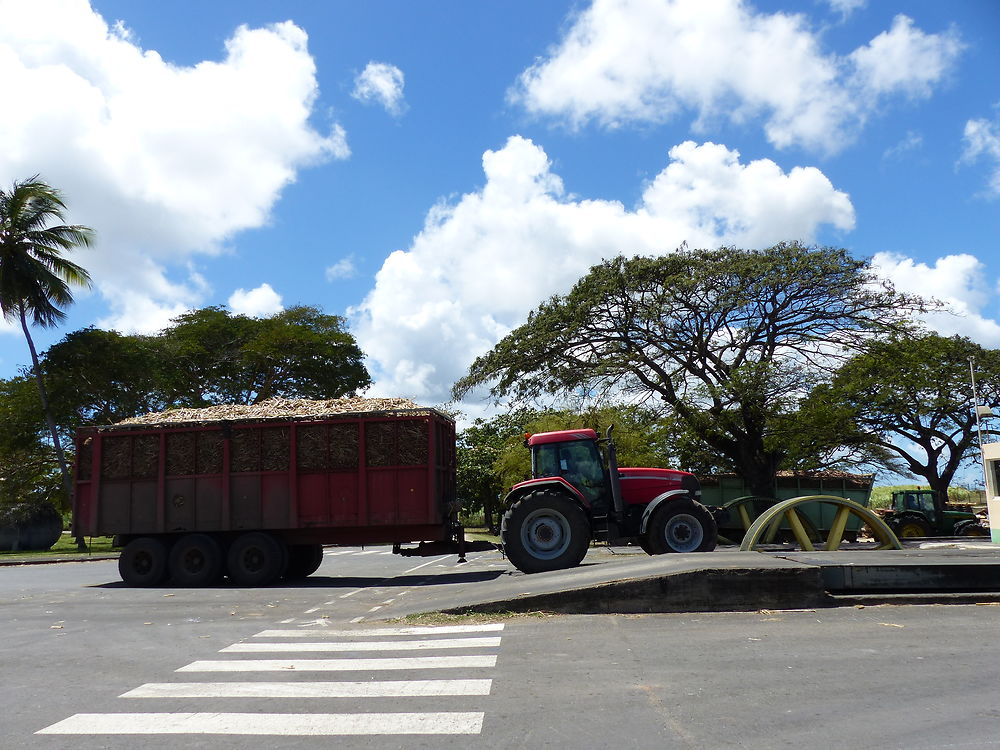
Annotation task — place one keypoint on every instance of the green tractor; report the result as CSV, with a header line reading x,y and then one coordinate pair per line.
x,y
915,514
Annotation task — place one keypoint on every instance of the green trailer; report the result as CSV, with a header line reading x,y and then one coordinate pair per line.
x,y
736,506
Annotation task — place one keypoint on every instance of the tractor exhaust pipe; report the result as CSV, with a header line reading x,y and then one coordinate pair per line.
x,y
616,485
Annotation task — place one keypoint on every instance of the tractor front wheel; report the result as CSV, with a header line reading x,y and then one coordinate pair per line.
x,y
545,531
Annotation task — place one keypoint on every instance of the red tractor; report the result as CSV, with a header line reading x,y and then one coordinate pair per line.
x,y
578,493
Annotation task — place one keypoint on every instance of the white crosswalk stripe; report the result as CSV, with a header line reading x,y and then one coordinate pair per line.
x,y
271,724
313,723
382,632
341,665
382,689
257,647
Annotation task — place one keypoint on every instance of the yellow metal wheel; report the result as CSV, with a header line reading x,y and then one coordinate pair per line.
x,y
765,528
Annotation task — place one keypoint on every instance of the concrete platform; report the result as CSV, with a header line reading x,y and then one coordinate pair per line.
x,y
622,581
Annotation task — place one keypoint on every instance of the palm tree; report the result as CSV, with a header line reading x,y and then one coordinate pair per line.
x,y
35,279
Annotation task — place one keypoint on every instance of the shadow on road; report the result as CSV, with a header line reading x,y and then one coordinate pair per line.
x,y
350,582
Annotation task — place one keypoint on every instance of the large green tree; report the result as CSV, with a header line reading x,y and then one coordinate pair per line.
x,y
729,340
35,278
217,357
103,377
910,399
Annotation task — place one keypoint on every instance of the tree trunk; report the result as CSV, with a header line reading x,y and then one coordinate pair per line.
x,y
67,480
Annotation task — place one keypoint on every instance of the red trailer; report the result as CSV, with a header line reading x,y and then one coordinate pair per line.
x,y
257,499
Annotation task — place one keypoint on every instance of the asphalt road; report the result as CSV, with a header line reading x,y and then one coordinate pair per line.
x,y
88,663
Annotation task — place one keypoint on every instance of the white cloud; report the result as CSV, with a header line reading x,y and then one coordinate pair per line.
x,y
846,7
482,263
982,140
912,141
165,161
627,61
381,83
905,59
959,281
342,269
256,303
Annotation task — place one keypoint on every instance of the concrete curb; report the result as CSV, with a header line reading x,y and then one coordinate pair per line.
x,y
710,590
53,560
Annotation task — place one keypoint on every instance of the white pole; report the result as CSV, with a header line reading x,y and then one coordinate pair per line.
x,y
993,523
979,424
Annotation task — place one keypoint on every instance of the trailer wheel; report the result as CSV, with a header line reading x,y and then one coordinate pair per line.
x,y
195,560
682,526
545,531
303,560
255,559
143,562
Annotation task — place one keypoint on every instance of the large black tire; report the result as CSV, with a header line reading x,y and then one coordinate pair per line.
x,y
255,559
543,531
681,526
303,561
970,528
910,525
196,560
643,541
143,562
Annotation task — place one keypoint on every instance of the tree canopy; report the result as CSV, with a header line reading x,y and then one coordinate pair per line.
x,y
35,279
729,340
911,399
217,357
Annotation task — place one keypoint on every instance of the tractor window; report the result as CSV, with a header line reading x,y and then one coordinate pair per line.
x,y
921,501
578,462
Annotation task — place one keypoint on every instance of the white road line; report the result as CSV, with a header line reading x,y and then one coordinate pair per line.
x,y
356,620
339,552
384,689
382,632
367,552
270,724
350,593
249,648
340,665
424,565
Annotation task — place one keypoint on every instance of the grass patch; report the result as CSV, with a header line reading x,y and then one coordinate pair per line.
x,y
481,534
468,618
67,545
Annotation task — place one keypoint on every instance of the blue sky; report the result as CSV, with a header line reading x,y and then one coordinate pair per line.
x,y
434,170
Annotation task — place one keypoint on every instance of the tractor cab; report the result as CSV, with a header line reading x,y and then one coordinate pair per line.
x,y
575,456
920,501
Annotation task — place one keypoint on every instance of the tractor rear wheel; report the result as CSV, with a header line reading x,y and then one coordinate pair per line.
x,y
681,526
545,531
910,525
